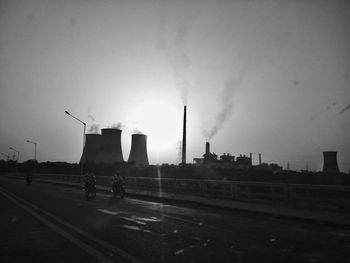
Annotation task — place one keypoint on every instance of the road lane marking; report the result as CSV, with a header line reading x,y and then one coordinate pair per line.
x,y
88,249
100,242
200,224
108,212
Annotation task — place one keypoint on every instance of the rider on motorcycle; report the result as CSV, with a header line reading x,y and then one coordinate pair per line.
x,y
90,179
116,180
118,184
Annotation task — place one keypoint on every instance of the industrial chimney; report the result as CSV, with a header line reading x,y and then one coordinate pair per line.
x,y
110,146
138,151
184,138
330,164
259,158
207,147
91,148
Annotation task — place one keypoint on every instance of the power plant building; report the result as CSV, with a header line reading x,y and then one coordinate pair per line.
x,y
225,161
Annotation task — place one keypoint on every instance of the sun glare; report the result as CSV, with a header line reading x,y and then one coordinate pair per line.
x,y
161,122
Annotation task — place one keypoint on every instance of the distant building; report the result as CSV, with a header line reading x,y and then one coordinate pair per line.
x,y
225,161
242,162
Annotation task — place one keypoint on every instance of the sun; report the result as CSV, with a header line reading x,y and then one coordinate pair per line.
x,y
161,121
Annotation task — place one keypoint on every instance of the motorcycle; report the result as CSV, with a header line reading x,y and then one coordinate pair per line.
x,y
90,189
118,188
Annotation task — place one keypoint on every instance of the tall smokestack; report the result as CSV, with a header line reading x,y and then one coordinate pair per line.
x,y
207,147
259,158
330,164
138,152
184,138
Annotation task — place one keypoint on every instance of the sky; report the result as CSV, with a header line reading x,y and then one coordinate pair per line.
x,y
269,77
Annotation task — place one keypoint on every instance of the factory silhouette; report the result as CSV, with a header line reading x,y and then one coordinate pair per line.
x,y
103,154
106,148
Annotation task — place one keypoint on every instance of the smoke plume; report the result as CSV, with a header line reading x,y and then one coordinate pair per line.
x,y
137,131
177,53
94,128
118,125
180,61
226,103
91,117
345,109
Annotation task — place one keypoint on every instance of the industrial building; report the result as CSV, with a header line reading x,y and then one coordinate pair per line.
x,y
225,161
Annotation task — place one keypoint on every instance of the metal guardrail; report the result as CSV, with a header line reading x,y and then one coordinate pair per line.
x,y
322,196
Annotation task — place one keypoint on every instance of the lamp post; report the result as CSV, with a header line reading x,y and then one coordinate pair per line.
x,y
16,165
81,171
16,152
35,144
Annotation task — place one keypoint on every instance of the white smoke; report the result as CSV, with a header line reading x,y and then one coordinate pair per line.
x,y
118,125
174,39
137,131
225,110
91,117
181,61
215,51
94,128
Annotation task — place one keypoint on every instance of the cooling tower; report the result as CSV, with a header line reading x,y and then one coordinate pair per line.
x,y
91,148
330,164
138,151
110,146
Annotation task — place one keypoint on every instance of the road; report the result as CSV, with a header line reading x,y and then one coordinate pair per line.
x,y
51,223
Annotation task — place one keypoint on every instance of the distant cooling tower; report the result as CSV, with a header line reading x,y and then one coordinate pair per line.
x,y
91,148
138,152
110,147
330,164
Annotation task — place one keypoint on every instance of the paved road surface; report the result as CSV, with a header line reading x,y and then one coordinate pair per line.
x,y
50,223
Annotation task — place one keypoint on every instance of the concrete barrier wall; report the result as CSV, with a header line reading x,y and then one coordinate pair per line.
x,y
332,197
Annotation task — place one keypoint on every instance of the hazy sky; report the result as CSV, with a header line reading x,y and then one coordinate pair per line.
x,y
268,77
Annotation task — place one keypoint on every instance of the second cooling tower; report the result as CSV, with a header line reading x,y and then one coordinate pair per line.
x,y
110,147
138,152
91,148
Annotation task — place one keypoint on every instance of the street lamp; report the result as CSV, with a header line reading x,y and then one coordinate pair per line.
x,y
16,152
35,144
83,134
79,121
